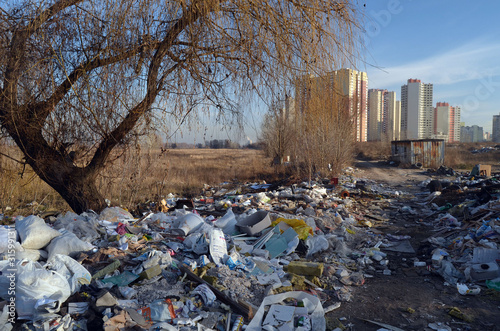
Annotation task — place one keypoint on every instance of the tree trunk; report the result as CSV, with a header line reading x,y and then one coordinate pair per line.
x,y
76,185
81,194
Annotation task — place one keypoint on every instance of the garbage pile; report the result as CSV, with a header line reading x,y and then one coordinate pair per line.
x,y
466,222
255,256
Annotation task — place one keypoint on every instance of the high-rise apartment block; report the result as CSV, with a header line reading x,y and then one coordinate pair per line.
x,y
417,112
447,122
471,134
376,107
347,83
393,131
495,134
384,115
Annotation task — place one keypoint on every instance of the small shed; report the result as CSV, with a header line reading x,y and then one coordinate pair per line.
x,y
428,152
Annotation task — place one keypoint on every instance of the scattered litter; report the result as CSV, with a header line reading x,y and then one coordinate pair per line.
x,y
244,258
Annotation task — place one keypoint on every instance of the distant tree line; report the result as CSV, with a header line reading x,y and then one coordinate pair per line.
x,y
215,144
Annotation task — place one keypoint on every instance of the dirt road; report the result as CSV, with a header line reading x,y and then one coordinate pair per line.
x,y
412,298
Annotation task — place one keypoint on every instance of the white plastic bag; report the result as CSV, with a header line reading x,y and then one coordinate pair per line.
x,y
34,233
30,254
34,284
83,226
4,279
67,244
5,231
227,222
188,223
316,244
74,272
197,243
4,319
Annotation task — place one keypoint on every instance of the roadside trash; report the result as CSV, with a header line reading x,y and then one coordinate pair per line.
x,y
254,223
457,313
466,290
38,287
187,223
227,223
494,284
74,272
106,270
279,315
34,233
437,256
67,244
316,244
450,273
218,246
115,214
485,271
122,279
241,259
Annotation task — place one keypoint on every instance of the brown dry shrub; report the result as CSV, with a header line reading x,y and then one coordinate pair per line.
x,y
459,156
373,150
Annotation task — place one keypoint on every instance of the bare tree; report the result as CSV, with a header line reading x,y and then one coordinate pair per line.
x,y
92,75
278,132
325,129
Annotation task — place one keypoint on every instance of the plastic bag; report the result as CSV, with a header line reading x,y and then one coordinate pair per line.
x,y
74,272
115,214
34,233
4,279
207,296
197,243
300,226
30,254
188,223
6,233
67,244
227,222
83,226
35,283
316,244
4,319
450,273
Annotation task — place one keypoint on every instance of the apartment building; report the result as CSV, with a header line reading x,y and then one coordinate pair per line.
x,y
417,111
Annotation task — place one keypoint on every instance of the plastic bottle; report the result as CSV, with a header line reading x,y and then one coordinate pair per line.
x,y
337,219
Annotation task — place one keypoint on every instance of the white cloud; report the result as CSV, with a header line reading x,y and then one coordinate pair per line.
x,y
468,62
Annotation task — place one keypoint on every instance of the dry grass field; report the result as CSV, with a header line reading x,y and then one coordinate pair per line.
x,y
138,176
149,174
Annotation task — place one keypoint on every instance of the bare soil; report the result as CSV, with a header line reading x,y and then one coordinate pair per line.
x,y
411,298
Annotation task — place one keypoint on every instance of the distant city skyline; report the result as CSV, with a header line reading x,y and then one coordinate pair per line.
x,y
453,45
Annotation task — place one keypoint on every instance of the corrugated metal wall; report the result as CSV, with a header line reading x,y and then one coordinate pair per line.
x,y
428,152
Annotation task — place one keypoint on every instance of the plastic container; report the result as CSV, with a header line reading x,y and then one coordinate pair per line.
x,y
485,255
254,223
484,271
188,223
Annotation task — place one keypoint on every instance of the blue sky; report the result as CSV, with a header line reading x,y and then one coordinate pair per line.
x,y
454,45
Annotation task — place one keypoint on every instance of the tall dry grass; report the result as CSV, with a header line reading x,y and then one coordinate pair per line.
x,y
140,175
460,156
373,150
